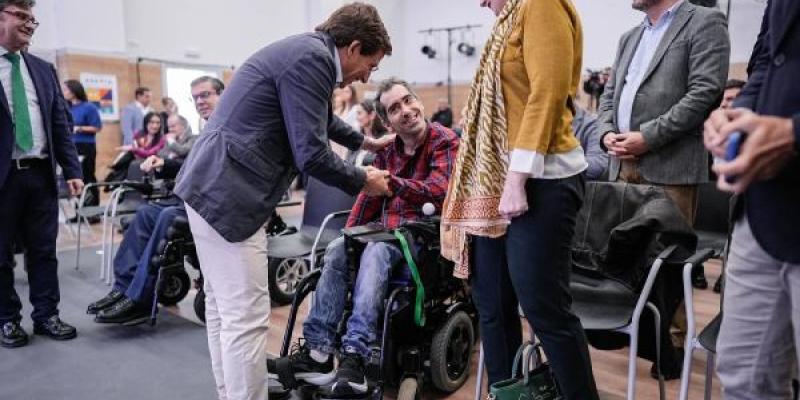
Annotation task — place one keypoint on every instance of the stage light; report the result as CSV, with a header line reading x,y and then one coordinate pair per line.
x,y
466,49
428,51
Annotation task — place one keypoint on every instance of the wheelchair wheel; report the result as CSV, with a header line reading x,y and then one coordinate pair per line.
x,y
451,350
409,390
200,305
174,287
284,276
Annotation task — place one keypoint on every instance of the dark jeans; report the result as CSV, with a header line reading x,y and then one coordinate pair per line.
x,y
29,217
89,153
530,266
132,273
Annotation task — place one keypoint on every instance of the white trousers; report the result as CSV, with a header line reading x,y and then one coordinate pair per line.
x,y
237,309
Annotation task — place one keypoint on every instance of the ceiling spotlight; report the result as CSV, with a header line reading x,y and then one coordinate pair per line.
x,y
466,49
428,51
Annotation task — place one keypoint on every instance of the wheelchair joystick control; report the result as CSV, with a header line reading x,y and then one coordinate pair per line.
x,y
428,209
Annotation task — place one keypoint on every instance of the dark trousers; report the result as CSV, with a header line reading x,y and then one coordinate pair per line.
x,y
29,217
530,266
89,153
132,263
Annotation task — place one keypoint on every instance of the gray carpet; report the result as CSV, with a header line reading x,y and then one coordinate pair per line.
x,y
167,361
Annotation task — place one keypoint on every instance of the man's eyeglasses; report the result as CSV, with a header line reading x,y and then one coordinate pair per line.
x,y
24,17
202,95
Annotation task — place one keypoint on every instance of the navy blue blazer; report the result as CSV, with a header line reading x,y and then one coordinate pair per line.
x,y
274,119
773,89
60,148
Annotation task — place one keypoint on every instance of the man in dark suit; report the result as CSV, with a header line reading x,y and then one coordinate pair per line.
x,y
274,119
34,137
760,334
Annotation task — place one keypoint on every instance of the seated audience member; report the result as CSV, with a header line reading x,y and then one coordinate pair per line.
x,y
584,124
420,163
371,126
443,114
179,140
134,284
732,89
147,142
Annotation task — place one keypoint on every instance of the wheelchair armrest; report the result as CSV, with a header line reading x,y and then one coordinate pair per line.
x,y
312,257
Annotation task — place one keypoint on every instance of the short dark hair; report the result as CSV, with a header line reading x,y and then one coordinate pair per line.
x,y
358,21
217,84
141,90
26,4
385,86
76,88
734,84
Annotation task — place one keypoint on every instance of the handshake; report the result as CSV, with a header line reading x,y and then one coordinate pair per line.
x,y
377,183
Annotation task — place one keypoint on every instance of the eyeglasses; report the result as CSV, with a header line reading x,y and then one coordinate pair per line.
x,y
202,95
24,17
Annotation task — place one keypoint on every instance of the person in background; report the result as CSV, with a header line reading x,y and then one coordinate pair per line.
x,y
346,105
732,89
148,141
132,115
584,124
179,141
34,138
86,126
372,127
516,188
443,114
169,108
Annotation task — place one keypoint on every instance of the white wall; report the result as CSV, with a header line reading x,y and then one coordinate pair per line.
x,y
226,33
221,33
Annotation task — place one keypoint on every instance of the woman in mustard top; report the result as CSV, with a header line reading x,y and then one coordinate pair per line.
x,y
517,187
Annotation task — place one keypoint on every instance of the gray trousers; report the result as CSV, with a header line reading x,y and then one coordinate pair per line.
x,y
757,346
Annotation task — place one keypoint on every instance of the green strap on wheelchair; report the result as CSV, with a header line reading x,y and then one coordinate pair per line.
x,y
419,311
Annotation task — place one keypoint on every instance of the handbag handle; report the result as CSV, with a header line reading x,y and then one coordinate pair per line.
x,y
536,350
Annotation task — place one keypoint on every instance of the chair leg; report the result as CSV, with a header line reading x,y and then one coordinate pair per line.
x,y
657,322
633,332
479,378
154,307
686,373
709,374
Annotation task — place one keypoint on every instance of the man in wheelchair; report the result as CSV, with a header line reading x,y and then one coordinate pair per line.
x,y
134,283
419,163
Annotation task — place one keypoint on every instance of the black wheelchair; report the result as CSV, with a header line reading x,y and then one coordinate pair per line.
x,y
428,328
176,250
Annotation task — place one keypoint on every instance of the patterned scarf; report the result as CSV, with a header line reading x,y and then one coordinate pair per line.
x,y
476,184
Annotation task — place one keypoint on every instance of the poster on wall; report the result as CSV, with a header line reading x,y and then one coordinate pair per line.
x,y
102,91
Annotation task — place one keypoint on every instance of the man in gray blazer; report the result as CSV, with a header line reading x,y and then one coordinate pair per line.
x,y
669,74
132,116
274,120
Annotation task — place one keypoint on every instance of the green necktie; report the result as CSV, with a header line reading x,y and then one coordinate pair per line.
x,y
22,117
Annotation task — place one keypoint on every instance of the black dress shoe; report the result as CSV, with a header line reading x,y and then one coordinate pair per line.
x,y
670,369
699,278
718,284
13,335
111,298
55,328
124,311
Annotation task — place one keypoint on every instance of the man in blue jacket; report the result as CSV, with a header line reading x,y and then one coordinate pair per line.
x,y
34,137
274,120
760,333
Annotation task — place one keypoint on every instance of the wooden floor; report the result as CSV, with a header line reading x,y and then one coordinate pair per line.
x,y
610,367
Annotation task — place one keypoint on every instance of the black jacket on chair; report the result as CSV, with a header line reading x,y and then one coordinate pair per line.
x,y
773,89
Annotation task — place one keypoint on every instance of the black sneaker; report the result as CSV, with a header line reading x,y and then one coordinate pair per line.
x,y
302,367
350,377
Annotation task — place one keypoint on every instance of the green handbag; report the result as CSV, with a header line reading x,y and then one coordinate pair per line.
x,y
537,382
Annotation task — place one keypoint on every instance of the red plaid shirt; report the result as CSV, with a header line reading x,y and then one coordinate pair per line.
x,y
414,181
